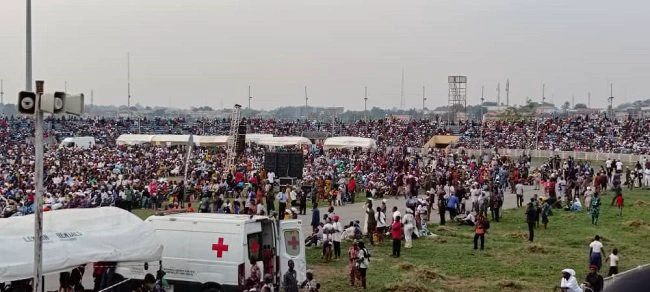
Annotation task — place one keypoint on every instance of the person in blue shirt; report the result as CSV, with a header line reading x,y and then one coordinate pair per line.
x,y
452,205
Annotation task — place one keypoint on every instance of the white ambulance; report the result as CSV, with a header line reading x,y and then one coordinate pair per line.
x,y
213,252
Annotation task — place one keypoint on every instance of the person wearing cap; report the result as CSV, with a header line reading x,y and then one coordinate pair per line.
x,y
569,283
593,280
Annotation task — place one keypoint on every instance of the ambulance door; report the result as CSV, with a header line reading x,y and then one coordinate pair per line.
x,y
292,247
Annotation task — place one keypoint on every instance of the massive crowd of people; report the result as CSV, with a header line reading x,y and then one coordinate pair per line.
x,y
470,189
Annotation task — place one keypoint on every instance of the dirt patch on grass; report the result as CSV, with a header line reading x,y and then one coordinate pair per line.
x,y
428,274
510,285
406,266
517,235
536,248
446,228
636,223
640,203
439,239
408,286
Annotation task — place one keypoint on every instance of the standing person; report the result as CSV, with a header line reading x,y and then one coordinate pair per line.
x,y
409,227
371,222
293,196
546,211
595,209
479,231
303,203
380,217
618,200
531,217
315,216
363,260
270,199
282,198
352,262
442,205
595,252
396,235
290,279
519,190
452,206
613,263
336,237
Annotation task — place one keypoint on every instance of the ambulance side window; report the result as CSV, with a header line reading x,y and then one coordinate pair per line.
x,y
292,242
254,241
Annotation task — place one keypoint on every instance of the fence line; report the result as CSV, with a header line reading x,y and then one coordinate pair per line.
x,y
578,155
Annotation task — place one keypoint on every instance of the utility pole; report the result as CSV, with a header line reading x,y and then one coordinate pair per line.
x,y
611,100
92,98
507,92
128,82
365,103
401,101
499,95
306,102
38,149
537,118
589,99
424,99
249,97
65,86
2,92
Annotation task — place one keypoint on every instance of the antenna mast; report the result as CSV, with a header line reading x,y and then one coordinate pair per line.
x,y
424,99
2,92
128,81
508,92
365,102
611,99
499,95
249,97
401,101
589,99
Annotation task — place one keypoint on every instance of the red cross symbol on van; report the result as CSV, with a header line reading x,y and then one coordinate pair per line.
x,y
294,243
255,246
219,247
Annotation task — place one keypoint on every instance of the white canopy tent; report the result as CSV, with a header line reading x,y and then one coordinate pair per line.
x,y
210,140
254,137
133,139
349,142
170,140
284,141
72,237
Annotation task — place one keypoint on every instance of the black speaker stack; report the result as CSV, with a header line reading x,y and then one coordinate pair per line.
x,y
284,164
241,137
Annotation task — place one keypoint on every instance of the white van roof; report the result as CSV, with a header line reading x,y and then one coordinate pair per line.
x,y
210,217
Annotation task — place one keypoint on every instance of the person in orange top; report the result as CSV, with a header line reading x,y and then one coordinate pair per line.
x,y
479,231
190,209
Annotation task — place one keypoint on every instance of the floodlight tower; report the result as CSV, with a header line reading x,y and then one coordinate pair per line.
x,y
457,98
611,99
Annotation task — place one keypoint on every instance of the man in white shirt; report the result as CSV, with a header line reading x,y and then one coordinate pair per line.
x,y
336,236
569,282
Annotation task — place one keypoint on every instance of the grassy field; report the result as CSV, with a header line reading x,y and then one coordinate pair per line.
x,y
510,262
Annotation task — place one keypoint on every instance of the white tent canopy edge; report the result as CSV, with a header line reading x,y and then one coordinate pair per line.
x,y
73,237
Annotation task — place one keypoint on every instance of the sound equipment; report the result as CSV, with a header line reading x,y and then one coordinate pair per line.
x,y
241,137
284,164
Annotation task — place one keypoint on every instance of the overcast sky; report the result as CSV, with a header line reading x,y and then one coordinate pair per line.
x,y
196,52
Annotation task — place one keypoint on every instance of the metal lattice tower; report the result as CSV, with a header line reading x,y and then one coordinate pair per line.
x,y
235,119
457,101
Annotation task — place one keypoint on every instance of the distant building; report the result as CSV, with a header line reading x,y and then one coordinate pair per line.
x,y
545,110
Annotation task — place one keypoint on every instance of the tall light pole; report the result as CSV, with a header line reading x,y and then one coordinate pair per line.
x,y
365,102
611,100
424,99
28,48
128,82
249,97
2,92
38,153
